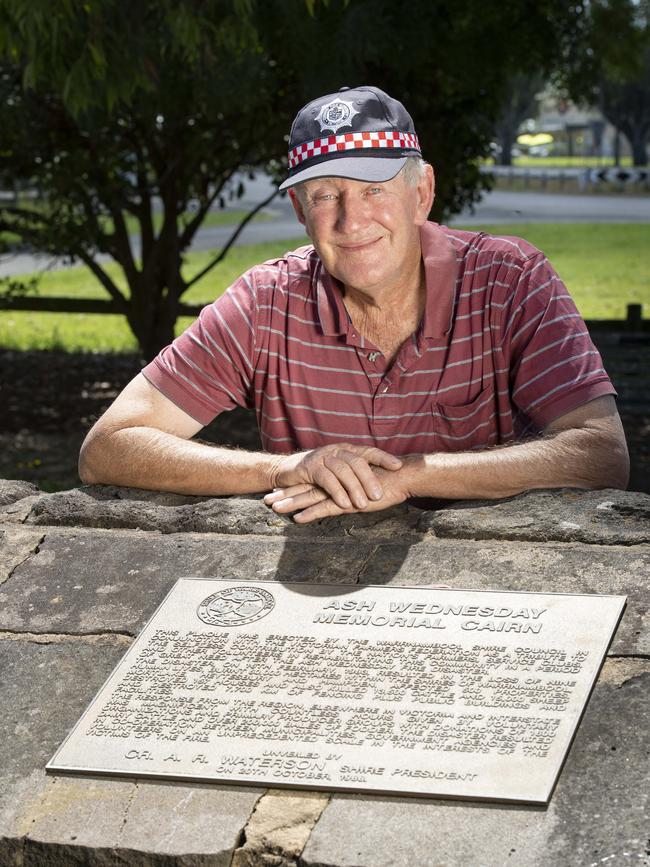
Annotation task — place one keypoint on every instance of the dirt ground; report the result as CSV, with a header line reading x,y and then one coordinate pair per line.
x,y
50,400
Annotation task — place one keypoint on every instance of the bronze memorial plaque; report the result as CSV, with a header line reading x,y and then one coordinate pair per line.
x,y
400,690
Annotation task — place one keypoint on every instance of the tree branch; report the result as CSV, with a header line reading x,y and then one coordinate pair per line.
x,y
145,217
192,227
123,252
231,240
103,278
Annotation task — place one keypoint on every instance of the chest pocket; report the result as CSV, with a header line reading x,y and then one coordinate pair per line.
x,y
461,427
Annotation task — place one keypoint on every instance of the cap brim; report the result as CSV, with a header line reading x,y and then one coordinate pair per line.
x,y
355,168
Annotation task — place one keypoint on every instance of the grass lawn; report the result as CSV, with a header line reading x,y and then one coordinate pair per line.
x,y
605,266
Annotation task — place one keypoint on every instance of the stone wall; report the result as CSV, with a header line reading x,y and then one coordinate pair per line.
x,y
83,570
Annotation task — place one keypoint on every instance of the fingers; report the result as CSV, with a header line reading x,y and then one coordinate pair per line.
x,y
349,480
304,500
382,459
325,509
294,498
352,469
344,472
288,491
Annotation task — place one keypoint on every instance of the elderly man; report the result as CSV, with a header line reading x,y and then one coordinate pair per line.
x,y
394,358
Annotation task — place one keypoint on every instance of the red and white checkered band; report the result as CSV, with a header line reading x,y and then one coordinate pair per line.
x,y
351,141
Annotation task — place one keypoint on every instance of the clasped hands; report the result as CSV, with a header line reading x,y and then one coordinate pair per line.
x,y
335,480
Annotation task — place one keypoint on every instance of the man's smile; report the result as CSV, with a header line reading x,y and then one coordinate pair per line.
x,y
353,246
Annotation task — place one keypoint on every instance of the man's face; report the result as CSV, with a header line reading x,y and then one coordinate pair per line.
x,y
366,234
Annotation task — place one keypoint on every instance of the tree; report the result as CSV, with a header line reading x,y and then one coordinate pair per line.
x,y
626,105
111,108
612,68
451,64
520,103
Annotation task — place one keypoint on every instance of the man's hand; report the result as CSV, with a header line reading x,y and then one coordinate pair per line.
x,y
344,474
584,448
311,503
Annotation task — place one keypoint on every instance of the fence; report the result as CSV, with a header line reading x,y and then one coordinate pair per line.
x,y
634,323
56,304
584,179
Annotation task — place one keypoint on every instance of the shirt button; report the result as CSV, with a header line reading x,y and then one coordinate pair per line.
x,y
373,356
385,389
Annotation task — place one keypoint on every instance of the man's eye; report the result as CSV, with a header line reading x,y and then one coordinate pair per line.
x,y
375,190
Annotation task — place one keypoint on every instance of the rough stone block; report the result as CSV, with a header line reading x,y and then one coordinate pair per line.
x,y
174,819
598,813
63,574
12,490
608,517
279,828
45,685
84,581
65,820
541,568
18,511
129,508
16,545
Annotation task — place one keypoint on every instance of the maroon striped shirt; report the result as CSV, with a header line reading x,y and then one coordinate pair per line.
x,y
500,353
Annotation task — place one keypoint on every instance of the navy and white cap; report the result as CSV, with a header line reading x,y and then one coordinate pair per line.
x,y
359,133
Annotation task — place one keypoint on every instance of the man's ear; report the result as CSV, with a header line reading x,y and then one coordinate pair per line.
x,y
426,190
297,206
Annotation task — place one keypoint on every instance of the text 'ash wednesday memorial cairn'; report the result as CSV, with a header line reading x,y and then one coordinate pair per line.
x,y
472,694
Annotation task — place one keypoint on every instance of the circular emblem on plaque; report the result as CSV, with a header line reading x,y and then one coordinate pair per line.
x,y
236,606
336,114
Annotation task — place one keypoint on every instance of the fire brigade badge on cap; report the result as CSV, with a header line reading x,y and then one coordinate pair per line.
x,y
336,114
365,135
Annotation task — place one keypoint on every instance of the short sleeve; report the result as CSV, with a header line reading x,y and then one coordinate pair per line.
x,y
208,369
554,365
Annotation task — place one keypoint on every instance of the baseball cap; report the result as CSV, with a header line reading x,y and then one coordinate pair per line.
x,y
360,133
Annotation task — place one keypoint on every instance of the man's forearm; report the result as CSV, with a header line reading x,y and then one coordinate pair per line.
x,y
143,457
567,458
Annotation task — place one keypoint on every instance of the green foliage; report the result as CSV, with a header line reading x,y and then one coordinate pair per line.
x,y
110,107
11,287
450,64
611,68
108,52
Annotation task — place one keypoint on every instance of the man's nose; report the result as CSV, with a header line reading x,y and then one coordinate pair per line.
x,y
353,214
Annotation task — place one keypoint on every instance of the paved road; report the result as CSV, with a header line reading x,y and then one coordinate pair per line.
x,y
496,207
526,207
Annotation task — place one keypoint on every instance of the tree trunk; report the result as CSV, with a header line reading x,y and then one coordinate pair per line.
x,y
638,142
617,148
152,315
505,141
160,334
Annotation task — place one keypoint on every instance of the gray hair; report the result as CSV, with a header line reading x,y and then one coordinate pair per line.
x,y
412,172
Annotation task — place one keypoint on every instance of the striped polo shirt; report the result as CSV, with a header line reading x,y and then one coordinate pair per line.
x,y
501,351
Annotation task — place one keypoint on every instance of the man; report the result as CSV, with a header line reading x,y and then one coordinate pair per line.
x,y
394,358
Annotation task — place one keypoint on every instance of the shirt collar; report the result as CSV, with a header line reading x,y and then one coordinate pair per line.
x,y
333,316
440,272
